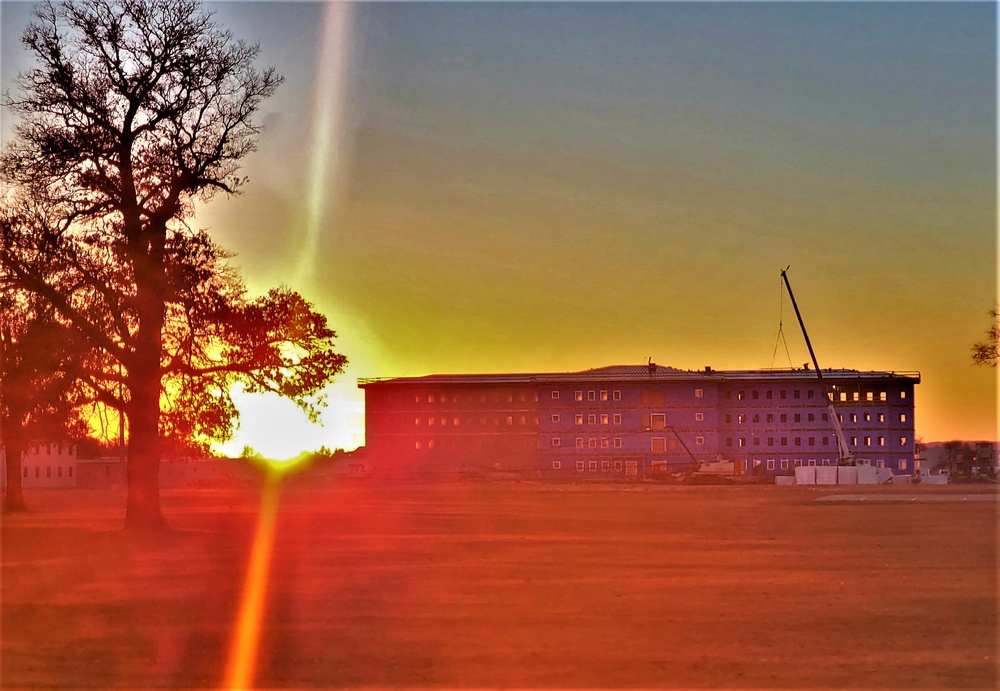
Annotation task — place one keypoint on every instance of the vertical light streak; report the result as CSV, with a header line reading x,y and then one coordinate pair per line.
x,y
246,636
328,143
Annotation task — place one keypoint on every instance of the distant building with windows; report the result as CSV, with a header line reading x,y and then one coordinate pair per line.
x,y
49,465
635,421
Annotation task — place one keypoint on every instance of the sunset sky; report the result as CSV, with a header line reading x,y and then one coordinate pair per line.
x,y
520,187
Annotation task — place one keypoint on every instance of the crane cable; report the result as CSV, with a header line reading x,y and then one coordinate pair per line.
x,y
781,331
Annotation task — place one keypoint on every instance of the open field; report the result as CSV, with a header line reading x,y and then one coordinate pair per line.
x,y
492,585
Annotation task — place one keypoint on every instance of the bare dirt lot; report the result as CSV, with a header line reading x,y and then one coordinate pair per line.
x,y
510,585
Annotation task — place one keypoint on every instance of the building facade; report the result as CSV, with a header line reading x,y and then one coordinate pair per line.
x,y
637,421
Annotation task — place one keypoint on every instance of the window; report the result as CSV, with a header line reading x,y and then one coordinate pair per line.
x,y
729,418
809,393
579,442
604,395
798,441
510,420
881,417
741,418
868,417
741,395
416,399
555,395
854,417
756,441
430,444
591,395
604,418
902,395
579,466
770,464
444,422
699,393
784,464
770,441
756,418
25,471
869,395
902,441
855,396
577,395
784,417
843,396
882,396
812,441
617,419
510,398
71,470
605,465
826,441
868,441
592,465
795,394
556,465
798,463
824,417
522,420
826,461
699,440
781,394
812,462
729,441
881,441
578,419
658,445
417,445
769,395
616,395
902,417
784,441
880,463
811,417
770,417
902,464
854,441
798,417
556,441
416,421
592,443
618,442
605,443
59,471
555,418
755,394
430,421
658,421
742,442
618,465
699,417
592,419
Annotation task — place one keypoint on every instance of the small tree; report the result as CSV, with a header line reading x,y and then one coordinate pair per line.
x,y
985,352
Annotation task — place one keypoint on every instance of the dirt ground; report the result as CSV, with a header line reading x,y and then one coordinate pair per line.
x,y
511,585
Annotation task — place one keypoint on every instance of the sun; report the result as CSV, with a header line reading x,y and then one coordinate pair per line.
x,y
278,430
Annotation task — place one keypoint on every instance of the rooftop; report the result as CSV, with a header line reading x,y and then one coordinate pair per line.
x,y
634,373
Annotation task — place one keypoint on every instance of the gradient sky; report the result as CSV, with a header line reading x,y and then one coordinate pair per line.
x,y
470,187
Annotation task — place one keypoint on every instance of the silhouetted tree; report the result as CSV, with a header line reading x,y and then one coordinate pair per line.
x,y
38,389
136,110
985,352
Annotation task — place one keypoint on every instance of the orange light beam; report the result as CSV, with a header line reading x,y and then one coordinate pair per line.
x,y
243,649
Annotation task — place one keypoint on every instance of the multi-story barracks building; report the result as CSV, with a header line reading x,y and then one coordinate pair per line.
x,y
637,421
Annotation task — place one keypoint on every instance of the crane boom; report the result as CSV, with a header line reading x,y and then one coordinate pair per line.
x,y
846,457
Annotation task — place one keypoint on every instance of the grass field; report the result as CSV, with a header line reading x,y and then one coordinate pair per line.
x,y
510,585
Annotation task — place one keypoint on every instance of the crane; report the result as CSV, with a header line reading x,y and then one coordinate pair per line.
x,y
845,455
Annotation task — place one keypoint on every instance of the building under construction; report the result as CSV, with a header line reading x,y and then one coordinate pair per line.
x,y
640,421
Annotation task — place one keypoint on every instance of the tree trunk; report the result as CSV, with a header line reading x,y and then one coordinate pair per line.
x,y
143,511
13,499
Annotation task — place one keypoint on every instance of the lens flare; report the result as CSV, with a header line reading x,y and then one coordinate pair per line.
x,y
246,636
328,149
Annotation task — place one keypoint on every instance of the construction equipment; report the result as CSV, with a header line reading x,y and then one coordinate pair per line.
x,y
845,455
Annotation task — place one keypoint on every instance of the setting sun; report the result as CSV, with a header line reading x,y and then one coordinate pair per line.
x,y
277,429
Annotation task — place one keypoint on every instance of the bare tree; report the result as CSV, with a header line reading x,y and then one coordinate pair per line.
x,y
985,352
136,110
